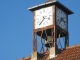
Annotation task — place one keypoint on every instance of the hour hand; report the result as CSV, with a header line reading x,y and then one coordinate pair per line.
x,y
63,20
41,21
47,18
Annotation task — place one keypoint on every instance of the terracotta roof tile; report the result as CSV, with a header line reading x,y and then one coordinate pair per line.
x,y
71,53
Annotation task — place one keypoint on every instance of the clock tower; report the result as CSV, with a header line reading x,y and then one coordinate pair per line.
x,y
50,27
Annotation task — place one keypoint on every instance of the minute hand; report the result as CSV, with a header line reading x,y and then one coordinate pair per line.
x,y
47,18
41,21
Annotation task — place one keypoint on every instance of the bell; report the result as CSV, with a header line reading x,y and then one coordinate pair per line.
x,y
48,41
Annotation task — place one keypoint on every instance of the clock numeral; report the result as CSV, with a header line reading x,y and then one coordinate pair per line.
x,y
40,12
61,12
50,15
61,26
46,22
58,21
38,21
49,12
57,15
43,23
65,24
38,15
46,10
43,10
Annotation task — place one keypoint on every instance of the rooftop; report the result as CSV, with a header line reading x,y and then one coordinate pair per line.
x,y
70,53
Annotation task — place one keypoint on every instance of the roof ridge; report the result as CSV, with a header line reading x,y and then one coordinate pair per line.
x,y
76,45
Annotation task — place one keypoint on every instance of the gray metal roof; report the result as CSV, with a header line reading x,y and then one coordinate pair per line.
x,y
54,2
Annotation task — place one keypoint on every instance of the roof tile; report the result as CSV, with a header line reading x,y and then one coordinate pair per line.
x,y
71,53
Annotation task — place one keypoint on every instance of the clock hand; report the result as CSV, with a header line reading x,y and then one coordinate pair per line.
x,y
63,20
41,21
47,17
60,20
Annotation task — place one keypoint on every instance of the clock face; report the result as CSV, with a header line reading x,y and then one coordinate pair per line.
x,y
43,17
61,19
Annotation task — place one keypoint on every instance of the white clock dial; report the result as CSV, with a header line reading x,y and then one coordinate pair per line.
x,y
61,18
43,17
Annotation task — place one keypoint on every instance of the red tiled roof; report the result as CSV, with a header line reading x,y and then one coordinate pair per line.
x,y
71,53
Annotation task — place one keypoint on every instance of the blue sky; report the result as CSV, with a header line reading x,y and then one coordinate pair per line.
x,y
16,26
